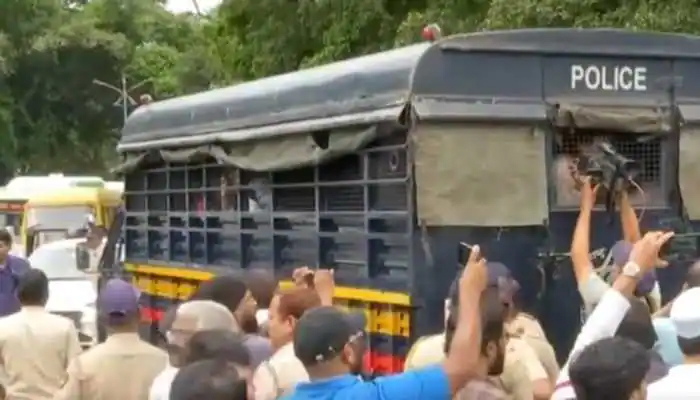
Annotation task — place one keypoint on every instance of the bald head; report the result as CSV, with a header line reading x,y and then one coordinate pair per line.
x,y
692,278
199,315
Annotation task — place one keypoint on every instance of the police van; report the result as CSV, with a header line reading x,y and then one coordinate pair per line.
x,y
379,166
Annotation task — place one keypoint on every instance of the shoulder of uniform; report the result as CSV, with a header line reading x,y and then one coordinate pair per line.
x,y
517,344
153,350
88,357
60,319
526,316
425,346
10,319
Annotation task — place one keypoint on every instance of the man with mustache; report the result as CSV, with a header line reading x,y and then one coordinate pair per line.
x,y
493,349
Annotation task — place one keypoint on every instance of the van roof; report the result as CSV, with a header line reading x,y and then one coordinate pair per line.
x,y
381,86
24,187
74,195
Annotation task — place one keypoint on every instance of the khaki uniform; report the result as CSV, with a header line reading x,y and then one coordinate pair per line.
x,y
482,389
521,367
529,329
36,348
428,350
278,376
123,367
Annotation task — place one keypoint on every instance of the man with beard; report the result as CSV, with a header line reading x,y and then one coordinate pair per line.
x,y
524,376
493,349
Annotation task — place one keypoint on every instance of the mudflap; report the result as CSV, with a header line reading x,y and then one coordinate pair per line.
x,y
561,303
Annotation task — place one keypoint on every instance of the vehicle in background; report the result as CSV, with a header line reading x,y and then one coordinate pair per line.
x,y
380,166
16,193
59,214
117,186
72,292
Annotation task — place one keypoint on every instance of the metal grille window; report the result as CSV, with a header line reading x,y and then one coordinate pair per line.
x,y
351,214
648,151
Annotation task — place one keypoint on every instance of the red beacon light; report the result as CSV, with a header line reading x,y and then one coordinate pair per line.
x,y
431,33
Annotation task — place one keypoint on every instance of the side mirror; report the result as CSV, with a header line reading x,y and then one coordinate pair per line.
x,y
82,257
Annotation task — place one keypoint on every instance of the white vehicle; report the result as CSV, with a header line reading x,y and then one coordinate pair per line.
x,y
72,292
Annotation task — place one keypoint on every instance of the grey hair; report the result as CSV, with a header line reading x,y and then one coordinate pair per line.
x,y
209,315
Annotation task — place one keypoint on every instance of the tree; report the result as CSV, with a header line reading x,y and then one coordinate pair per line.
x,y
52,50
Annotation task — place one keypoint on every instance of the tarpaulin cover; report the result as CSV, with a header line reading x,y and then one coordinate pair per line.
x,y
480,175
689,169
272,154
626,119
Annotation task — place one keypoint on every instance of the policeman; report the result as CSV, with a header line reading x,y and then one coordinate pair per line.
x,y
35,345
524,377
124,366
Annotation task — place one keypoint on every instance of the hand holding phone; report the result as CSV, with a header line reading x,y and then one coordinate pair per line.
x,y
465,251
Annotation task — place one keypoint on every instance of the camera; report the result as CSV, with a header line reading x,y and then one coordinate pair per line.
x,y
607,167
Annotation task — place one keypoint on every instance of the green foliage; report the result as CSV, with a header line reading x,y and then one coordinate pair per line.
x,y
54,117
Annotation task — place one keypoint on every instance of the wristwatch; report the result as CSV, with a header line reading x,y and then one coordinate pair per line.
x,y
632,270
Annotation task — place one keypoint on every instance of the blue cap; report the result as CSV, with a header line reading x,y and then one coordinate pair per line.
x,y
497,272
118,298
259,348
621,251
646,284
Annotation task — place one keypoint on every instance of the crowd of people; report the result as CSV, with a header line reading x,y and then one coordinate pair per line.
x,y
243,338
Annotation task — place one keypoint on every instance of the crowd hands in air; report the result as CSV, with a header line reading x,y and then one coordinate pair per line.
x,y
244,338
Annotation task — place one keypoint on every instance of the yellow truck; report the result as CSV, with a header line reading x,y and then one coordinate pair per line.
x,y
51,216
18,191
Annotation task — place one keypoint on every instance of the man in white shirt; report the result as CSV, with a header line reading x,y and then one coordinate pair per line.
x,y
190,317
682,380
35,345
612,308
590,285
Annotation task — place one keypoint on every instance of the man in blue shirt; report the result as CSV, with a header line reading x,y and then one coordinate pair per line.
x,y
323,340
11,268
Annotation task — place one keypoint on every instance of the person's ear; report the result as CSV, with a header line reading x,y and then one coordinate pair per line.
x,y
291,322
349,354
491,350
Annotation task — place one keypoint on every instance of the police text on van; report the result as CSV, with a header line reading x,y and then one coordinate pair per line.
x,y
621,78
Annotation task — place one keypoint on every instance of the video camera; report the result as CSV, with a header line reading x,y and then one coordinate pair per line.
x,y
607,167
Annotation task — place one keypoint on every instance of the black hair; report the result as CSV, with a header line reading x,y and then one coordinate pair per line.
x,y
208,379
227,290
5,237
637,325
609,369
493,316
33,288
262,285
219,344
689,347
